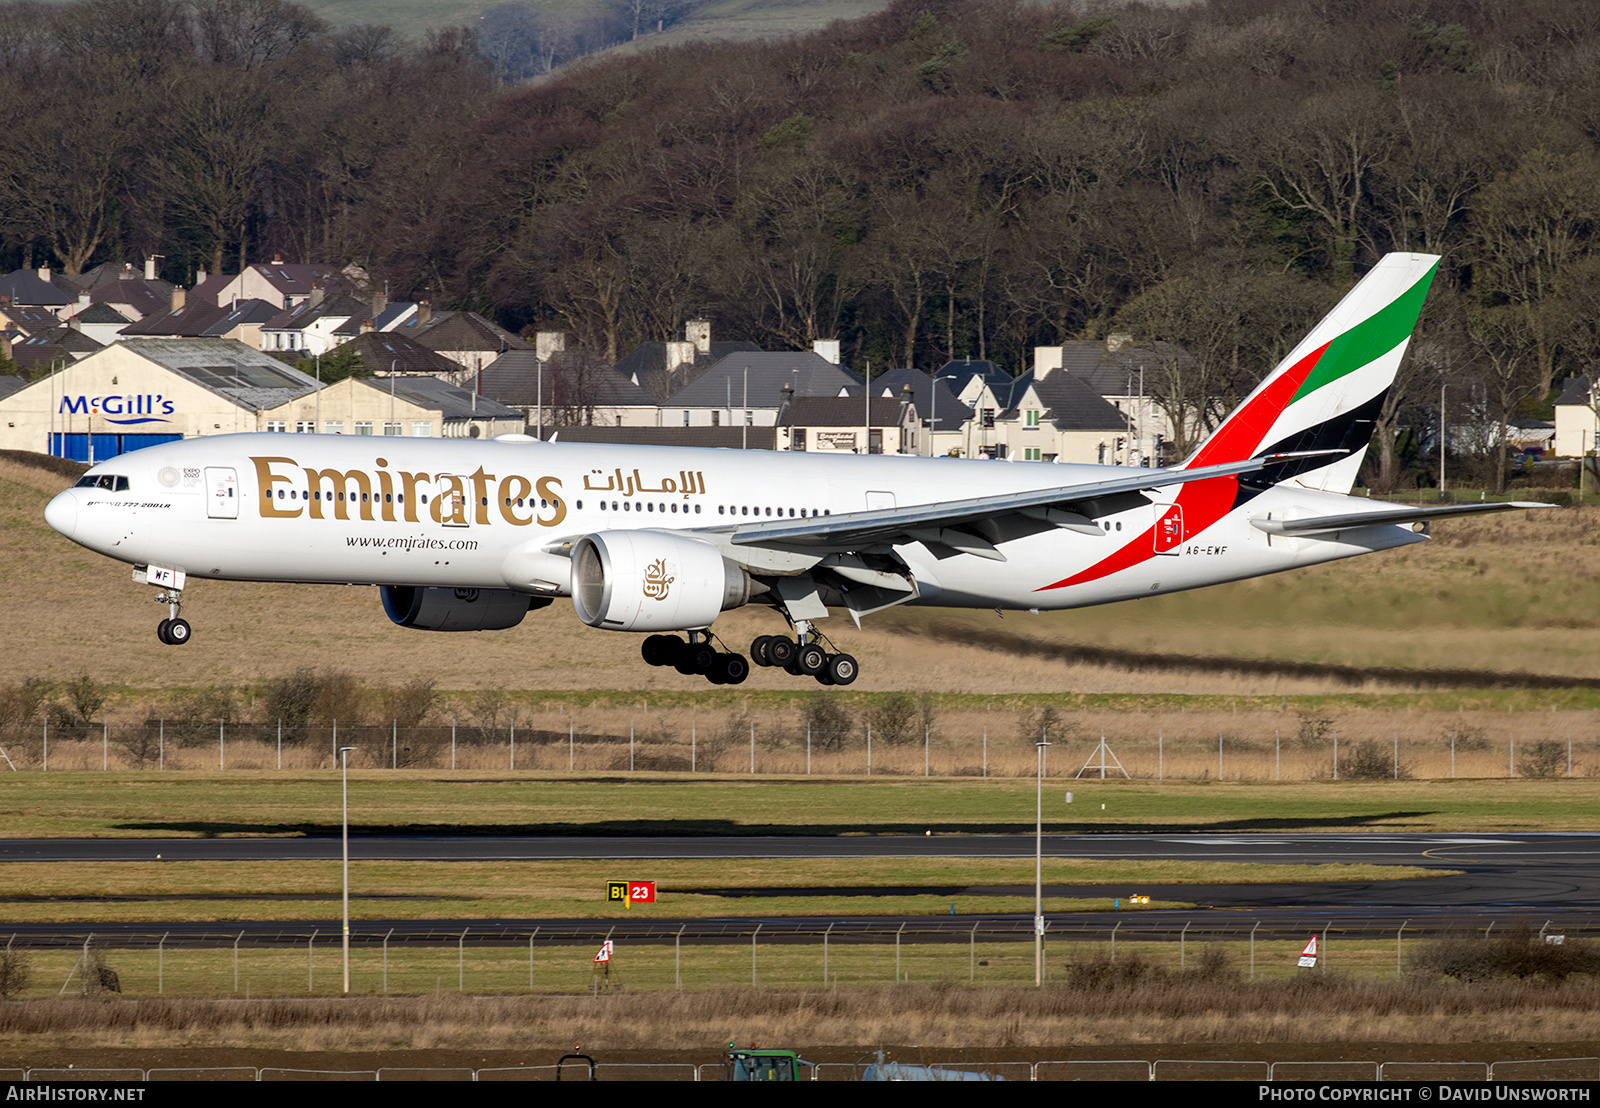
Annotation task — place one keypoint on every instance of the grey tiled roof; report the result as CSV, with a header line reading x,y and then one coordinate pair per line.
x,y
514,378
810,373
386,350
727,438
25,286
451,401
949,410
840,411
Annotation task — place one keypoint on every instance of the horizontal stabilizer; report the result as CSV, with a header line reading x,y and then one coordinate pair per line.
x,y
1378,517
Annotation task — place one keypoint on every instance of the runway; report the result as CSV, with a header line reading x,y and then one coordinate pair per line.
x,y
1515,873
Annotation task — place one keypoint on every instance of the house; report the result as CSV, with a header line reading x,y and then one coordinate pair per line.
x,y
278,282
1124,373
934,400
664,368
194,318
117,284
1577,424
1059,418
748,387
32,288
386,352
848,425
413,407
568,388
466,338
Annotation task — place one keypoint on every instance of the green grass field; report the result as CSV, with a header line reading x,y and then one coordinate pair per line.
x,y
152,804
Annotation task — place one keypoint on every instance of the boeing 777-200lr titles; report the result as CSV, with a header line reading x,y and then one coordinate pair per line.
x,y
469,535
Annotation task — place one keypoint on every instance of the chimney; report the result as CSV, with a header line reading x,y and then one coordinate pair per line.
x,y
75,324
368,326
177,298
1046,359
5,346
1116,341
150,268
277,259
424,312
317,293
827,349
44,274
380,303
548,343
698,332
200,275
83,299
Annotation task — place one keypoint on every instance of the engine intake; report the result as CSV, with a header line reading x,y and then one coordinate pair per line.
x,y
653,581
435,609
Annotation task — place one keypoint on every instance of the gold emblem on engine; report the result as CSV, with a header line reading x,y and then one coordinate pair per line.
x,y
656,579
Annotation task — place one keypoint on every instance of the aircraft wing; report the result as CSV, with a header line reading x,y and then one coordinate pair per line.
x,y
943,522
1379,516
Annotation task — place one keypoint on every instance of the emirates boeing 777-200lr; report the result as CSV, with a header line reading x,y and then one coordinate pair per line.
x,y
469,535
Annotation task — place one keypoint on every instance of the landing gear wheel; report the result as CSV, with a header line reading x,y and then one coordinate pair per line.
x,y
161,631
731,668
810,659
758,650
178,631
780,651
841,669
696,657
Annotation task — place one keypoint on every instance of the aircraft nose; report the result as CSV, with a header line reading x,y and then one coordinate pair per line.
x,y
62,513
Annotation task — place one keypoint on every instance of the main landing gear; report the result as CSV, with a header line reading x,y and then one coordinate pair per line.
x,y
172,630
806,658
697,655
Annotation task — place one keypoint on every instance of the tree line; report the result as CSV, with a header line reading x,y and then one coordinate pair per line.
x,y
948,178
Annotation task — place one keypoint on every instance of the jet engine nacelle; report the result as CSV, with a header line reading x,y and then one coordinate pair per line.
x,y
433,609
653,581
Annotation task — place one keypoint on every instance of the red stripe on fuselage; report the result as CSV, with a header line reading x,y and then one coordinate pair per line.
x,y
1205,502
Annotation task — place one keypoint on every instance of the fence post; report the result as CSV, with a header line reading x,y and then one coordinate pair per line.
x,y
1183,945
236,961
105,744
693,745
386,960
280,742
752,748
677,956
972,956
897,954
1397,937
754,982
630,746
808,751
461,961
570,726
1114,931
869,750
512,731
161,953
924,750
222,745
452,742
161,746
46,747
309,978
825,935
1253,950
530,957
394,744
986,750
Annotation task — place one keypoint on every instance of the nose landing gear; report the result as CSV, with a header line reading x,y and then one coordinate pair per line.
x,y
172,631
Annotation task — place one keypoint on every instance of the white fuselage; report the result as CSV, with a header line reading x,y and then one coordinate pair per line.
x,y
493,514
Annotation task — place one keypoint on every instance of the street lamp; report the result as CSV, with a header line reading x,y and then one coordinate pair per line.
x,y
933,407
344,759
1038,870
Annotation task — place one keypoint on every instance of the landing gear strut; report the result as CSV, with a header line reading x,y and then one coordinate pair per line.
x,y
696,656
172,630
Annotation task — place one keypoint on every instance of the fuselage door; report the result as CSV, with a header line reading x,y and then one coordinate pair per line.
x,y
1169,529
878,501
451,506
222,492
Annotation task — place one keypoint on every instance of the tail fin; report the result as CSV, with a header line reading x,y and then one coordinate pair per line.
x,y
1326,394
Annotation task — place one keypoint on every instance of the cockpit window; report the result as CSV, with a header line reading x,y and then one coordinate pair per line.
x,y
107,481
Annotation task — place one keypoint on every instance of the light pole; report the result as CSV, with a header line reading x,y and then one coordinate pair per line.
x,y
1441,440
344,759
1038,870
933,407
